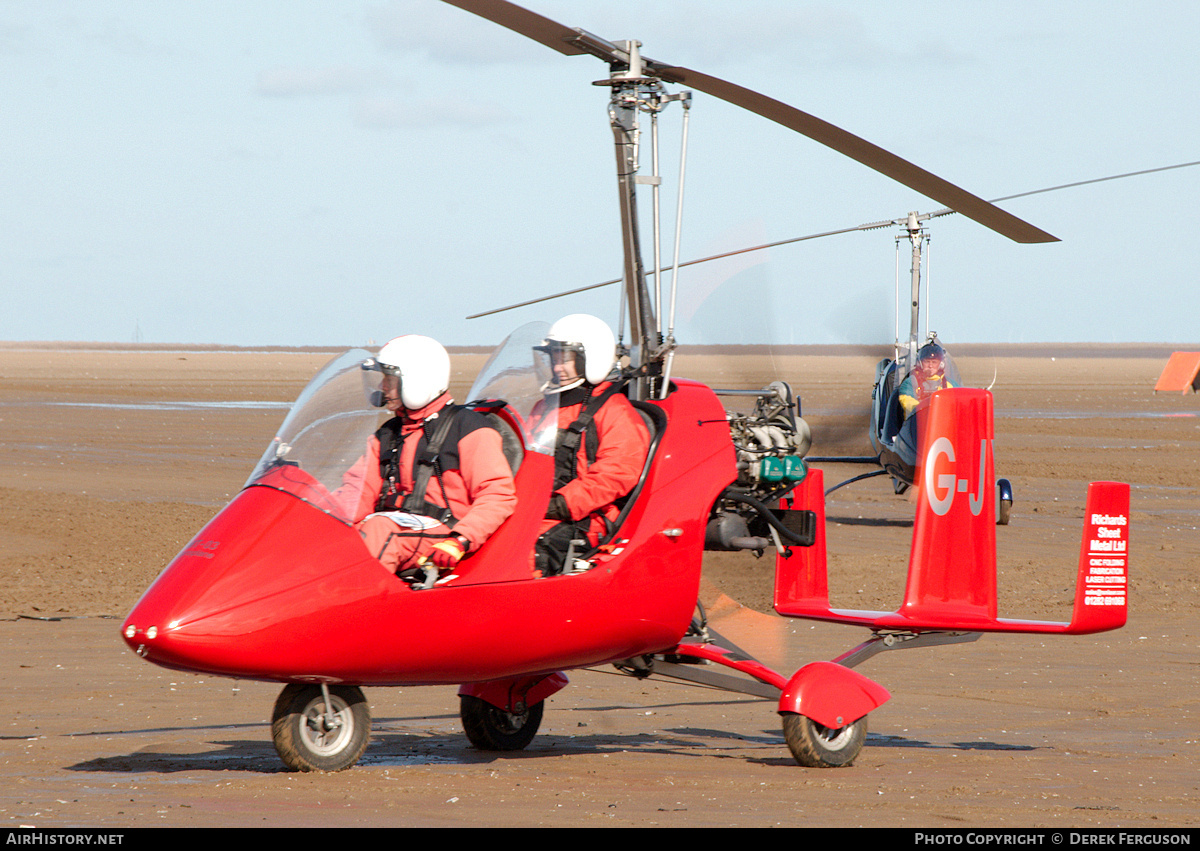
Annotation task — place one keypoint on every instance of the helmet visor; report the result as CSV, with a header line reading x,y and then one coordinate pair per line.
x,y
381,382
560,365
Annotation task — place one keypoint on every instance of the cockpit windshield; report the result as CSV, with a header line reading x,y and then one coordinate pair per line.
x,y
326,433
322,436
517,373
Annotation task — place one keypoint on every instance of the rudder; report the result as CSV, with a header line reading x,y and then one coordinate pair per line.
x,y
952,566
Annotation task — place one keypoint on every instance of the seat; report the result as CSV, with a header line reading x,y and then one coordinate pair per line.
x,y
656,422
510,439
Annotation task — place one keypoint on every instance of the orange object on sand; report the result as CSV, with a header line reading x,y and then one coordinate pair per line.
x,y
1180,373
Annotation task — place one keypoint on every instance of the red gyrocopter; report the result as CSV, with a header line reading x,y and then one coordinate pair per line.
x,y
279,586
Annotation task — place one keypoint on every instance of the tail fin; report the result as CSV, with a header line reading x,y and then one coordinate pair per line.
x,y
952,566
952,569
1101,599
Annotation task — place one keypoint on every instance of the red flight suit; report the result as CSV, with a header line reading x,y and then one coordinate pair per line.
x,y
478,488
621,441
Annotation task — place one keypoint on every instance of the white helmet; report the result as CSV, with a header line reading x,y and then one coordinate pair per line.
x,y
422,365
592,341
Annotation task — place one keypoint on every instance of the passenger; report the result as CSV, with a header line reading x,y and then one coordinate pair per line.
x,y
602,441
433,484
926,378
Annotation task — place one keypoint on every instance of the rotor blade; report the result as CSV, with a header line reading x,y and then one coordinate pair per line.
x,y
870,155
650,274
576,41
570,41
947,211
922,217
529,24
869,226
549,297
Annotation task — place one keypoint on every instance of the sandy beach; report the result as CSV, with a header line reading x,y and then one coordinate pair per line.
x,y
110,460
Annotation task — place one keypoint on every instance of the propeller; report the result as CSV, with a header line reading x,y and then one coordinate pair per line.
x,y
628,63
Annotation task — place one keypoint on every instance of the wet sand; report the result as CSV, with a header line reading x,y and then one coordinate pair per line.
x,y
111,460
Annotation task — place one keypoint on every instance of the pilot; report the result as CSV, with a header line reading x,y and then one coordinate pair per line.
x,y
926,378
433,484
602,440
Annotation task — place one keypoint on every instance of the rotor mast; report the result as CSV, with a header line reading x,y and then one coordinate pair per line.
x,y
632,92
916,235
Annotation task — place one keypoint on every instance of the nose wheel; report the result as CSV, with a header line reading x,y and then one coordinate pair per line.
x,y
319,728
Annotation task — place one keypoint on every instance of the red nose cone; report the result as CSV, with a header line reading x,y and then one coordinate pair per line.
x,y
242,598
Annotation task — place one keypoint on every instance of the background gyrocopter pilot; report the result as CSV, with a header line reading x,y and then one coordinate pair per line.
x,y
433,484
602,441
927,377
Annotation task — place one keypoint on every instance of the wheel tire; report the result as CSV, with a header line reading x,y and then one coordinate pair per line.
x,y
491,729
302,737
815,746
1004,501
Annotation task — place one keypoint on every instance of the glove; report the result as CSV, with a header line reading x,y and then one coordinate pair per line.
x,y
447,553
558,509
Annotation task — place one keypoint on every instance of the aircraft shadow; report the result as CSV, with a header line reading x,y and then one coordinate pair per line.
x,y
386,749
256,755
391,748
885,741
410,740
879,522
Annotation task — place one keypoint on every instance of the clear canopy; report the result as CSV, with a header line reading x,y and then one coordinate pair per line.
x,y
328,428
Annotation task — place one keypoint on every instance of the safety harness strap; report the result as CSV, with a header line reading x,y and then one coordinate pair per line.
x,y
426,465
569,438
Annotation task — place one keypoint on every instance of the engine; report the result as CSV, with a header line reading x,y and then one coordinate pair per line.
x,y
771,442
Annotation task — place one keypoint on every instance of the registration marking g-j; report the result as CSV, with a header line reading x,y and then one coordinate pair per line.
x,y
947,484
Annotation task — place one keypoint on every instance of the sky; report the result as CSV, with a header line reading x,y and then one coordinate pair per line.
x,y
332,172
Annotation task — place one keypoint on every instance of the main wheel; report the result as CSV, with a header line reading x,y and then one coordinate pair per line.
x,y
1004,501
309,738
815,746
492,729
